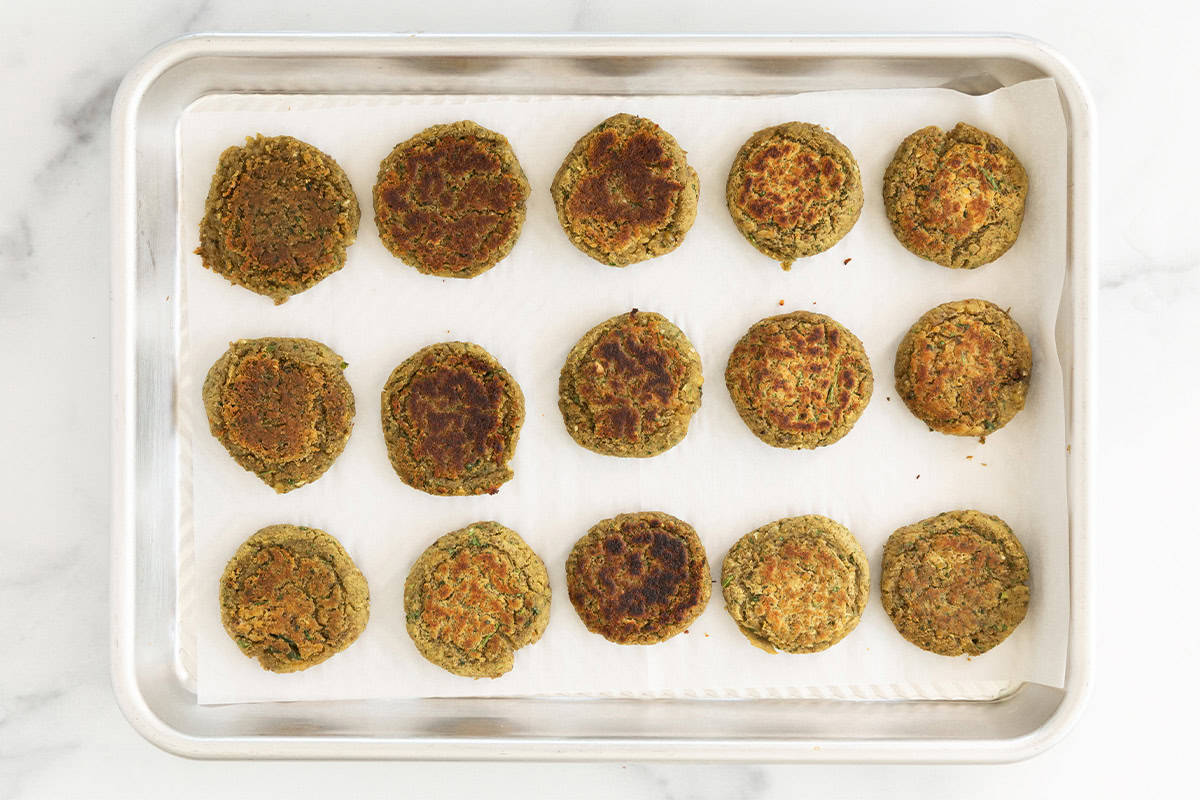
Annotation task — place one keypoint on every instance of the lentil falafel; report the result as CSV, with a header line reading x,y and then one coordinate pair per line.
x,y
281,407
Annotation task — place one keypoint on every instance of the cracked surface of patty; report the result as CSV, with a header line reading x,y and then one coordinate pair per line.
x,y
799,380
279,216
793,191
291,597
955,583
964,368
955,198
629,387
450,201
638,578
798,584
451,418
475,597
625,192
281,407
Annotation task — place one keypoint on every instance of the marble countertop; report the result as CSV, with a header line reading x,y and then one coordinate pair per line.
x,y
61,734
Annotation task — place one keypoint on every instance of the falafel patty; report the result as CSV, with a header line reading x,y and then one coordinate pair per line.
x,y
963,368
474,597
292,597
794,190
639,578
955,198
281,407
798,584
955,583
629,387
279,216
450,201
799,380
625,192
451,419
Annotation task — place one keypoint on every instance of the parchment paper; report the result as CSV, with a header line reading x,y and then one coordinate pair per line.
x,y
530,309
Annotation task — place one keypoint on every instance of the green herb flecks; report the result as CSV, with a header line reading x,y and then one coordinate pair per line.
x,y
991,181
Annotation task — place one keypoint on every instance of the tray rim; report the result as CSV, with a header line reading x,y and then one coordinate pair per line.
x,y
1082,190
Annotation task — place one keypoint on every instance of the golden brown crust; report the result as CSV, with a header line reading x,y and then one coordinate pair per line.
x,y
955,583
799,584
799,380
279,217
639,578
292,597
451,419
629,387
474,597
794,191
625,193
281,407
955,198
450,201
964,368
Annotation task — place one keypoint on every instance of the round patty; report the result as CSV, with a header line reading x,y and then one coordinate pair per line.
x,y
955,198
799,380
794,190
625,193
630,386
291,597
474,597
279,217
638,578
955,583
799,584
451,418
281,407
964,368
450,201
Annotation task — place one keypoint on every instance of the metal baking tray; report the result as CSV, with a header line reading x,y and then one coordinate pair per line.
x,y
149,562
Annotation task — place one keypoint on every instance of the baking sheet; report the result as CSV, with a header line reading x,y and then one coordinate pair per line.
x,y
530,309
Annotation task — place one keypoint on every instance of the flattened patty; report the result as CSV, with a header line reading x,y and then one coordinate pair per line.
x,y
450,201
474,597
279,217
625,193
451,418
964,368
629,387
955,583
794,191
291,597
799,584
281,407
799,380
955,198
638,578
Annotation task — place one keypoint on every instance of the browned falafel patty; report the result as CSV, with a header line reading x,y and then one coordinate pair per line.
x,y
291,597
798,584
799,380
955,583
450,201
638,578
629,387
451,418
955,198
474,597
964,368
625,193
279,217
281,407
794,190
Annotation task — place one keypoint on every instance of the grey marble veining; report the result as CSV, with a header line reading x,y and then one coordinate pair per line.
x,y
60,732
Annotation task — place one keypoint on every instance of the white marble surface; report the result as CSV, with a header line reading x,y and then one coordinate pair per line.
x,y
61,734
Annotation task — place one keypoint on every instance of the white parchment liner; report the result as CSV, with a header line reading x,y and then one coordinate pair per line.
x,y
530,309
